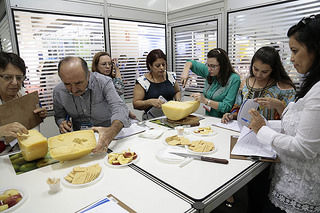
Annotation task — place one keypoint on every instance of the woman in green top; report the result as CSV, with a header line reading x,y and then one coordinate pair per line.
x,y
222,83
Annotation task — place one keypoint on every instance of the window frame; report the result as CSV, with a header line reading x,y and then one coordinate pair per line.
x,y
50,110
139,21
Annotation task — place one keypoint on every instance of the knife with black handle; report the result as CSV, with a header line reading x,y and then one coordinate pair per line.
x,y
214,160
199,157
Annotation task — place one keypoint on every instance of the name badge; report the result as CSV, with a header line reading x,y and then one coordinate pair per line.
x,y
86,125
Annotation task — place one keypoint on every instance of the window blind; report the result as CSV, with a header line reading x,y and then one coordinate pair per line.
x,y
44,39
131,42
250,29
193,42
5,39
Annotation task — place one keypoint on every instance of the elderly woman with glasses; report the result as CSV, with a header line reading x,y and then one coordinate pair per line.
x,y
222,83
12,75
295,184
103,64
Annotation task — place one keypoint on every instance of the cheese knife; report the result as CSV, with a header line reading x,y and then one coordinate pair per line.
x,y
199,157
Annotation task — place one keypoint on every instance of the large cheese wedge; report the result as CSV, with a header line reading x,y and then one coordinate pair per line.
x,y
33,145
71,145
175,110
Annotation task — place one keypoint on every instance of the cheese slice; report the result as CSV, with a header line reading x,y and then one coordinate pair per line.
x,y
33,145
72,145
175,110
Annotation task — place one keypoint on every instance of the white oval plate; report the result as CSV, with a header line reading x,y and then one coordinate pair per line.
x,y
122,165
165,143
202,153
85,184
164,155
198,134
23,194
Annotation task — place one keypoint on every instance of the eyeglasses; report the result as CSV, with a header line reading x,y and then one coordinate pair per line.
x,y
105,64
213,66
9,78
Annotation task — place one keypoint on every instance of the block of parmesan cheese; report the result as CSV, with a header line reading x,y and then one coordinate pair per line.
x,y
175,110
33,145
71,145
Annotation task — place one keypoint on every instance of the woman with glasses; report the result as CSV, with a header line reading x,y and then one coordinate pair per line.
x,y
12,75
295,184
268,83
222,83
103,64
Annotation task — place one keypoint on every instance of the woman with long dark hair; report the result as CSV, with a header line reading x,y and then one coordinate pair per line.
x,y
295,184
268,83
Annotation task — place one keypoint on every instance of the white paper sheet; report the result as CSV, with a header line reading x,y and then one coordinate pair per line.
x,y
232,125
133,129
244,117
248,145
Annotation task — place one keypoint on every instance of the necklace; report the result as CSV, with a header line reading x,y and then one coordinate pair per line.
x,y
154,80
258,92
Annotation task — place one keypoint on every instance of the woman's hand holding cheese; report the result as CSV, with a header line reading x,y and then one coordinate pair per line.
x,y
199,97
12,130
156,102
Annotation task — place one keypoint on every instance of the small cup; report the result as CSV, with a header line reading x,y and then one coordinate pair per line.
x,y
180,130
54,184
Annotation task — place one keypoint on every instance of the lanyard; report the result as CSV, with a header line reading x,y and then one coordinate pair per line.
x,y
83,113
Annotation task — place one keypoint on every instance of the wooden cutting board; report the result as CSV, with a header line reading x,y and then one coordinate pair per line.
x,y
191,120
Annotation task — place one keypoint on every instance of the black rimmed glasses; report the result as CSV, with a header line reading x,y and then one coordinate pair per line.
x,y
212,66
9,78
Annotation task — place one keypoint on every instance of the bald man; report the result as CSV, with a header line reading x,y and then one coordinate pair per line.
x,y
90,100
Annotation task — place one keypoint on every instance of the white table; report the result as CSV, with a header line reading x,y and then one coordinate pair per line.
x,y
150,185
207,184
130,187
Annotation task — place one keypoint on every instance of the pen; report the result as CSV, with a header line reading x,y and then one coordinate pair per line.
x,y
234,110
245,120
40,105
67,117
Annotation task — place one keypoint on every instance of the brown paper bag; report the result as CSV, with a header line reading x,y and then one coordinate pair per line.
x,y
21,110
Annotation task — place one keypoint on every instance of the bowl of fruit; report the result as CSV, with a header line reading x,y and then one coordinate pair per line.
x,y
11,198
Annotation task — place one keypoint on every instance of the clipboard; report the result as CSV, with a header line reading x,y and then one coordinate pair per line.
x,y
112,197
233,141
21,110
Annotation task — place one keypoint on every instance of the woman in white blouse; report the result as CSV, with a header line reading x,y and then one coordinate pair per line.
x,y
295,185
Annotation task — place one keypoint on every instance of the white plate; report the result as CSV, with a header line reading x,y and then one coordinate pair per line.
x,y
152,133
198,134
172,134
122,165
164,154
202,153
85,184
23,194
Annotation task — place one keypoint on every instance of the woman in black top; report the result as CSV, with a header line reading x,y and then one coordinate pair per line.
x,y
157,82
